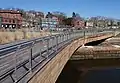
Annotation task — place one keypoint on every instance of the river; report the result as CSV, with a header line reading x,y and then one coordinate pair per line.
x,y
71,74
102,76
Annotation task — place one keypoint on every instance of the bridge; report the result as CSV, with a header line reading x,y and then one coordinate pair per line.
x,y
41,60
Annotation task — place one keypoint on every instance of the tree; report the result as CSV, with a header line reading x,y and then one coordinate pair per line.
x,y
73,15
118,23
59,14
77,15
49,15
68,21
39,14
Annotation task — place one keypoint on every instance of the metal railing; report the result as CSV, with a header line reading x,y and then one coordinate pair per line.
x,y
19,62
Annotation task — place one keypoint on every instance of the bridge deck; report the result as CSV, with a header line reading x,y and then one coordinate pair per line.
x,y
20,62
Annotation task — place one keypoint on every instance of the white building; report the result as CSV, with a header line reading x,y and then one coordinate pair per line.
x,y
89,24
49,22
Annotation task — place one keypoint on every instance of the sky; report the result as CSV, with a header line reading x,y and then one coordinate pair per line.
x,y
86,8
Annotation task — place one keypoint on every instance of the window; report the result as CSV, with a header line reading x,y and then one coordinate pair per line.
x,y
13,16
3,20
9,21
78,23
18,21
6,20
13,21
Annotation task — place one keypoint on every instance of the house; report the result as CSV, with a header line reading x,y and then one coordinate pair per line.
x,y
32,19
49,23
89,24
78,23
10,19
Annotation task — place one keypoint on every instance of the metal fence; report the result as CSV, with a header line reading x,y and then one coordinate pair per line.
x,y
19,62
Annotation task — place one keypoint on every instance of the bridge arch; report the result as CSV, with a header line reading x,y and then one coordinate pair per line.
x,y
50,72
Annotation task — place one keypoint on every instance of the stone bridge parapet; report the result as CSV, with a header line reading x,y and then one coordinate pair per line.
x,y
50,72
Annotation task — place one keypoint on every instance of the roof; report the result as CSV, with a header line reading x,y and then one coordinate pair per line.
x,y
10,11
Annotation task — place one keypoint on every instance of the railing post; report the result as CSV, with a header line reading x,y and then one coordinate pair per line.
x,y
15,66
52,46
74,34
71,35
114,32
67,36
56,42
44,47
30,57
40,49
60,38
63,38
47,48
84,38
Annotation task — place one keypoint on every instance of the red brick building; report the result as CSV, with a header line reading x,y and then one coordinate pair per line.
x,y
78,23
10,19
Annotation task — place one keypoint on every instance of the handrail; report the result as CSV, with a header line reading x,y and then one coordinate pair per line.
x,y
34,46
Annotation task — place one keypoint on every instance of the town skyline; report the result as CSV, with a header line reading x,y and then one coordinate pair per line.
x,y
45,13
86,8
